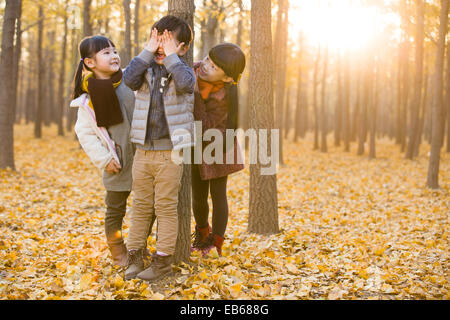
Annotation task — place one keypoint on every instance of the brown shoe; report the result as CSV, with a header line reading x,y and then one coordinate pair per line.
x,y
119,254
213,241
200,235
160,267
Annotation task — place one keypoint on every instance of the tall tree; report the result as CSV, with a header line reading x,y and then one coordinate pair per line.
x,y
346,104
447,97
263,209
184,9
437,134
41,76
315,107
17,55
364,107
418,80
7,93
323,107
280,65
87,24
300,108
209,26
338,108
137,7
374,72
62,74
126,57
403,76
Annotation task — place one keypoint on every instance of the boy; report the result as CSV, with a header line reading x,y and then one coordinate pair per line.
x,y
164,104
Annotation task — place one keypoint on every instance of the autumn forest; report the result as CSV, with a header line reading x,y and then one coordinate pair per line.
x,y
354,95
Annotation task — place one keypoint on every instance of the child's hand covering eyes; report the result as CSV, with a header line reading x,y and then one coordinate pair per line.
x,y
155,41
169,44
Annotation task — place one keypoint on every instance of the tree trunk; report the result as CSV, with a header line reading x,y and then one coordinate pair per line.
x,y
356,112
41,77
373,98
316,108
404,56
11,15
136,27
323,109
447,97
338,110
287,114
17,55
209,27
298,110
125,59
363,112
240,27
62,76
418,79
424,108
87,25
346,104
281,39
184,9
438,111
72,112
49,87
263,210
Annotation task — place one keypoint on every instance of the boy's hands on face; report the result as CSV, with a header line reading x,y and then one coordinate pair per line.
x,y
170,45
113,167
155,41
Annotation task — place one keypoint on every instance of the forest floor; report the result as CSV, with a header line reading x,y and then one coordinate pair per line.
x,y
351,228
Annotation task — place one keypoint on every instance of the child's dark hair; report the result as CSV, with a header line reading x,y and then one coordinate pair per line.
x,y
88,47
230,58
181,28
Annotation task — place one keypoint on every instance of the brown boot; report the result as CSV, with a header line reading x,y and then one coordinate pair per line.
x,y
212,241
160,267
200,236
119,254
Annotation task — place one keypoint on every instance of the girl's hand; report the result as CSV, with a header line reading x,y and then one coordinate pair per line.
x,y
113,167
169,44
154,42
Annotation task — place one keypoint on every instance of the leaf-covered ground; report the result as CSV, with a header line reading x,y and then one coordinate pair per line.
x,y
351,228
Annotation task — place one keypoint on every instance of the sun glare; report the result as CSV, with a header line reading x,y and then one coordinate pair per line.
x,y
338,23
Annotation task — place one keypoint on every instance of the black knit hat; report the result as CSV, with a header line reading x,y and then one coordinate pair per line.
x,y
230,58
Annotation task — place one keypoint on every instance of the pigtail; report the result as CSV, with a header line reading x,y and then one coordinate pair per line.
x,y
233,106
77,81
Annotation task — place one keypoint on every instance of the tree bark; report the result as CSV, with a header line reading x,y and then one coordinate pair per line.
x,y
362,125
338,109
299,113
373,102
323,112
87,25
62,76
263,209
438,111
41,77
418,80
447,97
315,107
17,55
184,9
404,56
7,93
287,114
346,104
125,59
137,6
